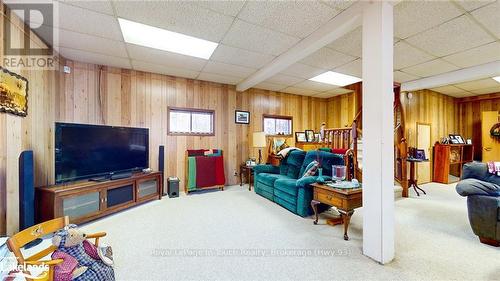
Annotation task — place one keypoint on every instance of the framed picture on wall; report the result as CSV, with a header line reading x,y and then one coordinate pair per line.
x,y
300,137
310,135
13,93
241,117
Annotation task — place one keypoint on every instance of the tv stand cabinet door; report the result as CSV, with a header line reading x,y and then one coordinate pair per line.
x,y
81,207
118,197
148,188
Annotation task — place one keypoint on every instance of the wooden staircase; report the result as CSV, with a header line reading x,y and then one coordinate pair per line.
x,y
351,138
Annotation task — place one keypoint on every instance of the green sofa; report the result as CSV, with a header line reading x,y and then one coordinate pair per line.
x,y
285,186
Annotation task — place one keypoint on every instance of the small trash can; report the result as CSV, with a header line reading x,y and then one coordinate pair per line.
x,y
173,187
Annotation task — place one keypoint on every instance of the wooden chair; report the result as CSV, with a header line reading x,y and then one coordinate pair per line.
x,y
16,242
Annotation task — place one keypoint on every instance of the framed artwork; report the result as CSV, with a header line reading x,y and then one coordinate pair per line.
x,y
420,154
310,135
241,117
456,139
460,139
300,137
13,93
469,141
317,137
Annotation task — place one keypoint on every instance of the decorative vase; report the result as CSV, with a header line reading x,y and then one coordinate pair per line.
x,y
320,178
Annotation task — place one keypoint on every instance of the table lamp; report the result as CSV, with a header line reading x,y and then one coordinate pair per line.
x,y
259,141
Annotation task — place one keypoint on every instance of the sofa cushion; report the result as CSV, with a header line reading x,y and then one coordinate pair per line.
x,y
269,179
326,159
291,165
287,185
311,169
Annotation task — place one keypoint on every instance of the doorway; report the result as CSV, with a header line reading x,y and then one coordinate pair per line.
x,y
424,142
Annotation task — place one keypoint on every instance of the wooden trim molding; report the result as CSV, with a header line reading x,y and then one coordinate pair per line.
x,y
480,98
191,110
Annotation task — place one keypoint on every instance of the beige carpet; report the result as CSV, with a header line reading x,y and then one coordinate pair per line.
x,y
238,235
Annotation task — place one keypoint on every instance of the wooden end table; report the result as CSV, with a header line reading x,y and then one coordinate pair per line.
x,y
412,181
345,200
248,172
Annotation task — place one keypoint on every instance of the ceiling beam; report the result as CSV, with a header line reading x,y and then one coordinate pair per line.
x,y
340,25
458,76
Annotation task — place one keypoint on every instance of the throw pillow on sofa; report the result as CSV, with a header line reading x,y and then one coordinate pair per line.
x,y
311,169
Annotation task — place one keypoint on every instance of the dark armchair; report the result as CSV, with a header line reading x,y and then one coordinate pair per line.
x,y
483,201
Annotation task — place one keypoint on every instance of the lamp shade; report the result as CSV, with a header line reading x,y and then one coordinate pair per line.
x,y
259,139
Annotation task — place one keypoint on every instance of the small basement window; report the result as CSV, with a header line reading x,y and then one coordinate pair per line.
x,y
277,125
191,121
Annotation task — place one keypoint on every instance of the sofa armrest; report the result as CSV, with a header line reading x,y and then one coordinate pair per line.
x,y
306,181
472,186
266,169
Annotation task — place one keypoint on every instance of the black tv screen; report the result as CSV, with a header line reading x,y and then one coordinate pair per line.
x,y
87,151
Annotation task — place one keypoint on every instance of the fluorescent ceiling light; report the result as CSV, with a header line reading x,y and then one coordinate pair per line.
x,y
497,78
157,38
335,78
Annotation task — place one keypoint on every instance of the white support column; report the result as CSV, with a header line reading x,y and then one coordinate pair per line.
x,y
378,154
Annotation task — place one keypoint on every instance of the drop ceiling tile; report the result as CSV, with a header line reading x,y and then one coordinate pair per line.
x,y
186,17
480,55
316,86
430,68
99,59
74,40
469,5
303,71
230,8
160,57
85,21
270,86
478,84
489,17
412,17
339,91
401,77
100,6
338,5
405,55
299,91
327,58
349,44
284,79
487,91
353,68
163,69
448,90
237,56
296,18
224,79
454,36
255,38
324,95
228,69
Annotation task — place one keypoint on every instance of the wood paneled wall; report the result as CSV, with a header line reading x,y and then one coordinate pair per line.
x,y
469,121
139,99
22,133
341,110
427,106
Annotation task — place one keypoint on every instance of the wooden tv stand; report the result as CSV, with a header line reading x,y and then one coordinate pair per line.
x,y
84,201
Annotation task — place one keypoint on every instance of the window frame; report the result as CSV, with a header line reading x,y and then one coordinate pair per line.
x,y
191,111
283,117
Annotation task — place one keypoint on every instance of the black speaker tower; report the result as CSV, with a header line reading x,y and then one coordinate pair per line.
x,y
161,165
27,193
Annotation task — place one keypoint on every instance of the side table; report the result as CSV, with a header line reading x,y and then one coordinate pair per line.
x,y
248,172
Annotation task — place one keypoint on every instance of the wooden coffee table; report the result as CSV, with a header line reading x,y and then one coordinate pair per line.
x,y
345,200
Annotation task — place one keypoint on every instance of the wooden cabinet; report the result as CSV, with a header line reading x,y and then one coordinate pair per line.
x,y
85,201
449,160
306,146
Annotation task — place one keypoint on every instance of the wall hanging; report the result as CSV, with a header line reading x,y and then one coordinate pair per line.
x,y
13,93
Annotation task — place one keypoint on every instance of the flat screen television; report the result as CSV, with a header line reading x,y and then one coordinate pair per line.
x,y
90,151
